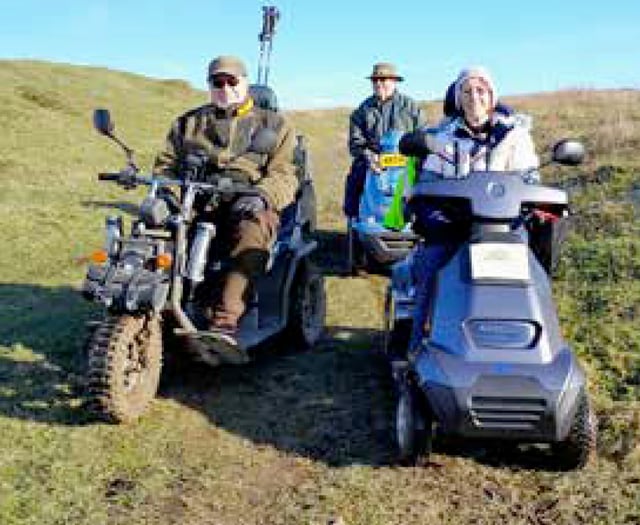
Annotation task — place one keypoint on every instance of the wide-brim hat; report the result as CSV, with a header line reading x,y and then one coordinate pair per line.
x,y
385,70
227,65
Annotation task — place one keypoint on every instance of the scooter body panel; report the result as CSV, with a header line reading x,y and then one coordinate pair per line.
x,y
523,402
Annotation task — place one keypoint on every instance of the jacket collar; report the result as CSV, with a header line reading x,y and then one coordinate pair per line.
x,y
492,133
234,111
380,103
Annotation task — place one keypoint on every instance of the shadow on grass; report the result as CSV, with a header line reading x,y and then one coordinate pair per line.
x,y
331,404
334,404
44,332
501,454
331,254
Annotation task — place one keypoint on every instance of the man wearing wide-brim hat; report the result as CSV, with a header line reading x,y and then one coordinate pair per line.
x,y
385,70
387,109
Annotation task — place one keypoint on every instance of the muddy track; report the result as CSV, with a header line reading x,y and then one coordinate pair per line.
x,y
324,420
332,404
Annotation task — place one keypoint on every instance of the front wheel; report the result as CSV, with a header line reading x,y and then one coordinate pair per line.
x,y
125,360
580,444
308,306
414,426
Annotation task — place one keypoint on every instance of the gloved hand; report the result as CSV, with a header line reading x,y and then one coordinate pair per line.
x,y
545,216
373,162
249,204
195,165
419,143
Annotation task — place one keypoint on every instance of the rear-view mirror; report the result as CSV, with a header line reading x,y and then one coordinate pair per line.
x,y
568,152
102,121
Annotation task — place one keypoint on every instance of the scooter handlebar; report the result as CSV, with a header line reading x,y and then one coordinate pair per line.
x,y
108,176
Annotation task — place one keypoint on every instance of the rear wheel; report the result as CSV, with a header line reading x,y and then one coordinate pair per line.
x,y
397,332
308,305
580,444
356,256
125,360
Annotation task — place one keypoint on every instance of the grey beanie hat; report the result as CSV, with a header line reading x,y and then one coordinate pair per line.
x,y
475,72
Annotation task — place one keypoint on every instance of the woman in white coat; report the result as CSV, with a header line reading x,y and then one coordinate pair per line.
x,y
480,138
477,138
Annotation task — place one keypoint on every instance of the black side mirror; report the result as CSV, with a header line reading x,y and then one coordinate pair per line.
x,y
102,121
568,152
264,141
104,125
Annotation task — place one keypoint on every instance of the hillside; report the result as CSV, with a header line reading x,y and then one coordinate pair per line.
x,y
295,438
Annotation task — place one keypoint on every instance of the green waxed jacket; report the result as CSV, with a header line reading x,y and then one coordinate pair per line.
x,y
225,136
373,118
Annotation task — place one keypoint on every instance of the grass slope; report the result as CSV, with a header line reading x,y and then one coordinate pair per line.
x,y
292,438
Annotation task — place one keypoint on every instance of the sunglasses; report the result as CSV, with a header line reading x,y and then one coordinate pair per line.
x,y
220,81
381,79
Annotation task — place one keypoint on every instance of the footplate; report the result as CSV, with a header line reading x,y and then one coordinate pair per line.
x,y
216,347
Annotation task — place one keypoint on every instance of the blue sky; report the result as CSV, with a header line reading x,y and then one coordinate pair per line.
x,y
324,49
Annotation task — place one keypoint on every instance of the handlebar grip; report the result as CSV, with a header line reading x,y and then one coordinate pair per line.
x,y
417,143
545,216
109,176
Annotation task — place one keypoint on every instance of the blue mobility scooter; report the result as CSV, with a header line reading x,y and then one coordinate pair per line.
x,y
491,362
379,235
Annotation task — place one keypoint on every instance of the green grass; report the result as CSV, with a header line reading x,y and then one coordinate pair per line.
x,y
294,438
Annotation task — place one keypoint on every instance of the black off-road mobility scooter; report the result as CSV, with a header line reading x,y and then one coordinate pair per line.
x,y
151,280
491,362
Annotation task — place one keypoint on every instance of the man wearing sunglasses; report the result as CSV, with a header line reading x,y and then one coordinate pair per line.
x,y
387,109
223,133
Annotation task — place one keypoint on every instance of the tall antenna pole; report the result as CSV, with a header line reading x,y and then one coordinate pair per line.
x,y
270,15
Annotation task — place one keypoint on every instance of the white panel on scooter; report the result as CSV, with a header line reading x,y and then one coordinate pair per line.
x,y
499,260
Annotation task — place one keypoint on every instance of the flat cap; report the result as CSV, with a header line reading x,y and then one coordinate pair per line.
x,y
228,65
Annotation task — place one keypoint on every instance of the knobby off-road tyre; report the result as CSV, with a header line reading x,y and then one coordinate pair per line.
x,y
580,444
125,360
308,306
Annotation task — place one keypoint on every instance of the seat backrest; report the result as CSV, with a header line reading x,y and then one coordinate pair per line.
x,y
301,159
263,96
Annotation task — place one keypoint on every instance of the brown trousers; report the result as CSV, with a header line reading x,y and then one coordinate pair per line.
x,y
251,245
